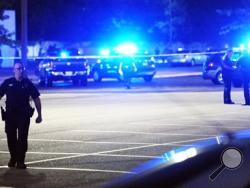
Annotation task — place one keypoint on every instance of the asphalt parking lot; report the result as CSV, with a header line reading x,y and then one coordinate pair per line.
x,y
91,136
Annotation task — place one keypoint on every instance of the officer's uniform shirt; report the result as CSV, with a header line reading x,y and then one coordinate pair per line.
x,y
244,64
227,61
18,93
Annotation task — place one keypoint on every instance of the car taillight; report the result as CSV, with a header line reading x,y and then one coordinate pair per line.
x,y
211,64
85,64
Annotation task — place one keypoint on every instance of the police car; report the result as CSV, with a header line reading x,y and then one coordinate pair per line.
x,y
110,68
64,69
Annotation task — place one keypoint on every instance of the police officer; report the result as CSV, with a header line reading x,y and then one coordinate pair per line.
x,y
18,91
127,69
228,68
244,65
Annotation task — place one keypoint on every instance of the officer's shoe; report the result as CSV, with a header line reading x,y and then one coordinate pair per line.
x,y
12,163
229,102
247,104
128,86
21,165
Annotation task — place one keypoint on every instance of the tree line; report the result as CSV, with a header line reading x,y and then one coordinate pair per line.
x,y
162,20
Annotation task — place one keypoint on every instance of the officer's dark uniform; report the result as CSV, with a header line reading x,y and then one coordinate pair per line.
x,y
244,64
18,113
128,69
227,75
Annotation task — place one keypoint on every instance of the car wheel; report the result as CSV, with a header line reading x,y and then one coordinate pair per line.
x,y
148,78
218,80
84,81
75,81
97,77
192,63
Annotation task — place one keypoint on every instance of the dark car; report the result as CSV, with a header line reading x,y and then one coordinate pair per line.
x,y
111,68
51,70
212,68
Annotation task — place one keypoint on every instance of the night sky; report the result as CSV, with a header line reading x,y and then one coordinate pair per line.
x,y
97,20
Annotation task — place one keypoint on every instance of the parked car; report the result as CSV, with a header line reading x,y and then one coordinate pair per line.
x,y
198,57
186,57
110,68
51,70
212,69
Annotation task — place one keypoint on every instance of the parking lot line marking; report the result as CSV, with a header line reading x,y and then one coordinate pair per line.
x,y
105,155
185,125
77,169
94,142
116,150
144,133
82,169
90,142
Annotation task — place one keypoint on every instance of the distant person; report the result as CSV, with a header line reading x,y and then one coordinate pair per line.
x,y
127,69
244,66
228,68
17,114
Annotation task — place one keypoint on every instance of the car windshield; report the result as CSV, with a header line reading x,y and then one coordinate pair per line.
x,y
127,93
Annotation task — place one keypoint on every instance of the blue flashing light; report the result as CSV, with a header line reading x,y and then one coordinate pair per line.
x,y
105,52
64,54
127,49
242,47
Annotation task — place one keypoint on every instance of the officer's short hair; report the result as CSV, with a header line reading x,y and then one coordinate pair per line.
x,y
18,62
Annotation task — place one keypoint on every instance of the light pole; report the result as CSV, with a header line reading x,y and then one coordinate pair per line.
x,y
24,30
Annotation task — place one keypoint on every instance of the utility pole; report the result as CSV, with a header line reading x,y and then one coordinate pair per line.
x,y
24,30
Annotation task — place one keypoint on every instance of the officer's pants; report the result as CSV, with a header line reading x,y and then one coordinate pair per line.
x,y
246,80
127,78
227,78
17,128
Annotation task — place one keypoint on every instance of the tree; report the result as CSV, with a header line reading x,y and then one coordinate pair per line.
x,y
5,35
172,18
236,19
